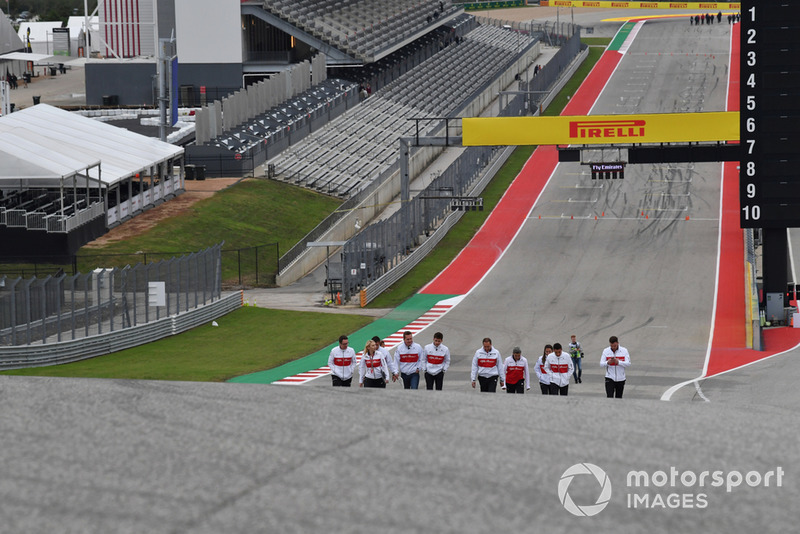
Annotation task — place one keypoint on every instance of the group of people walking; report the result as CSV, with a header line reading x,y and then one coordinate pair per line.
x,y
708,18
554,368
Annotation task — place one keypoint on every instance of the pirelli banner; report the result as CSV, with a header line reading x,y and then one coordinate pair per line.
x,y
644,5
601,129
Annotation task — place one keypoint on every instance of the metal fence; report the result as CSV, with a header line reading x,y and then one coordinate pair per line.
x,y
534,90
383,245
241,267
60,308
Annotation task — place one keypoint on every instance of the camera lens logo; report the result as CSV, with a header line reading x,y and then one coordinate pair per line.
x,y
602,500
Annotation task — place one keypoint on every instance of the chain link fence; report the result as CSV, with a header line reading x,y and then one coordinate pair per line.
x,y
383,245
241,267
63,307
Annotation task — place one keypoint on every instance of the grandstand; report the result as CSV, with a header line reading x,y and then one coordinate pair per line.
x,y
324,139
361,145
364,29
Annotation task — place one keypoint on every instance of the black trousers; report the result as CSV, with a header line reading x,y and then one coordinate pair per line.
x,y
434,380
338,382
614,389
374,383
545,388
488,384
518,387
555,389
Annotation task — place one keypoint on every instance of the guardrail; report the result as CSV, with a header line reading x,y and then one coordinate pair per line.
x,y
380,285
19,357
371,291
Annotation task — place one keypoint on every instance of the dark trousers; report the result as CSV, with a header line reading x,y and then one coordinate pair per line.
x,y
338,382
374,383
545,388
555,389
519,387
614,389
488,384
410,381
434,380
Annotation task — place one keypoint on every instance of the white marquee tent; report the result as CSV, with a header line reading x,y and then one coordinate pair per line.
x,y
46,147
46,132
41,35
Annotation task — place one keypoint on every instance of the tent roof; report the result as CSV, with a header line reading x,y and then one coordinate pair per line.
x,y
9,40
23,56
75,25
58,143
39,31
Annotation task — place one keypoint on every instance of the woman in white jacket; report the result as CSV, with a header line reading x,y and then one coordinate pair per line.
x,y
373,369
541,374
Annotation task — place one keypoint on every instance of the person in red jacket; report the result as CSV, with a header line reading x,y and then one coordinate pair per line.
x,y
515,372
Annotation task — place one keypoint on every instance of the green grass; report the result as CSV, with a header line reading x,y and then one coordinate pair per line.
x,y
255,339
597,41
248,214
253,212
561,100
455,240
458,237
247,340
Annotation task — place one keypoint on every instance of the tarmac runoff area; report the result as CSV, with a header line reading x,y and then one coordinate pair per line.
x,y
99,456
132,456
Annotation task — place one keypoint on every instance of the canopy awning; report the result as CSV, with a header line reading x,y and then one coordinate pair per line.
x,y
24,56
65,144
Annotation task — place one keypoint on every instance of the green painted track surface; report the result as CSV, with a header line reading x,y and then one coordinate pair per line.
x,y
622,34
404,314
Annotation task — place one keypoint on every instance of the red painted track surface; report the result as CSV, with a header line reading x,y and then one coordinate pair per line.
x,y
728,349
728,346
506,219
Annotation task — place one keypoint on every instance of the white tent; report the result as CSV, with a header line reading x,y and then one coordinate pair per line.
x,y
46,148
9,42
24,56
41,35
76,26
46,133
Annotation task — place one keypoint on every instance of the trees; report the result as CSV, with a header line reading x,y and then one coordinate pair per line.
x,y
49,9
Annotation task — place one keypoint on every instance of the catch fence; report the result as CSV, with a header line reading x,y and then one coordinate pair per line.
x,y
58,308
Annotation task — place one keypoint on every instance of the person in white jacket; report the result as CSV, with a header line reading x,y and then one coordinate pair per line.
x,y
541,374
615,359
409,356
436,362
559,369
515,372
342,362
372,369
487,366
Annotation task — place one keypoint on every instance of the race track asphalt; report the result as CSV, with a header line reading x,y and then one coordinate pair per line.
x,y
102,456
